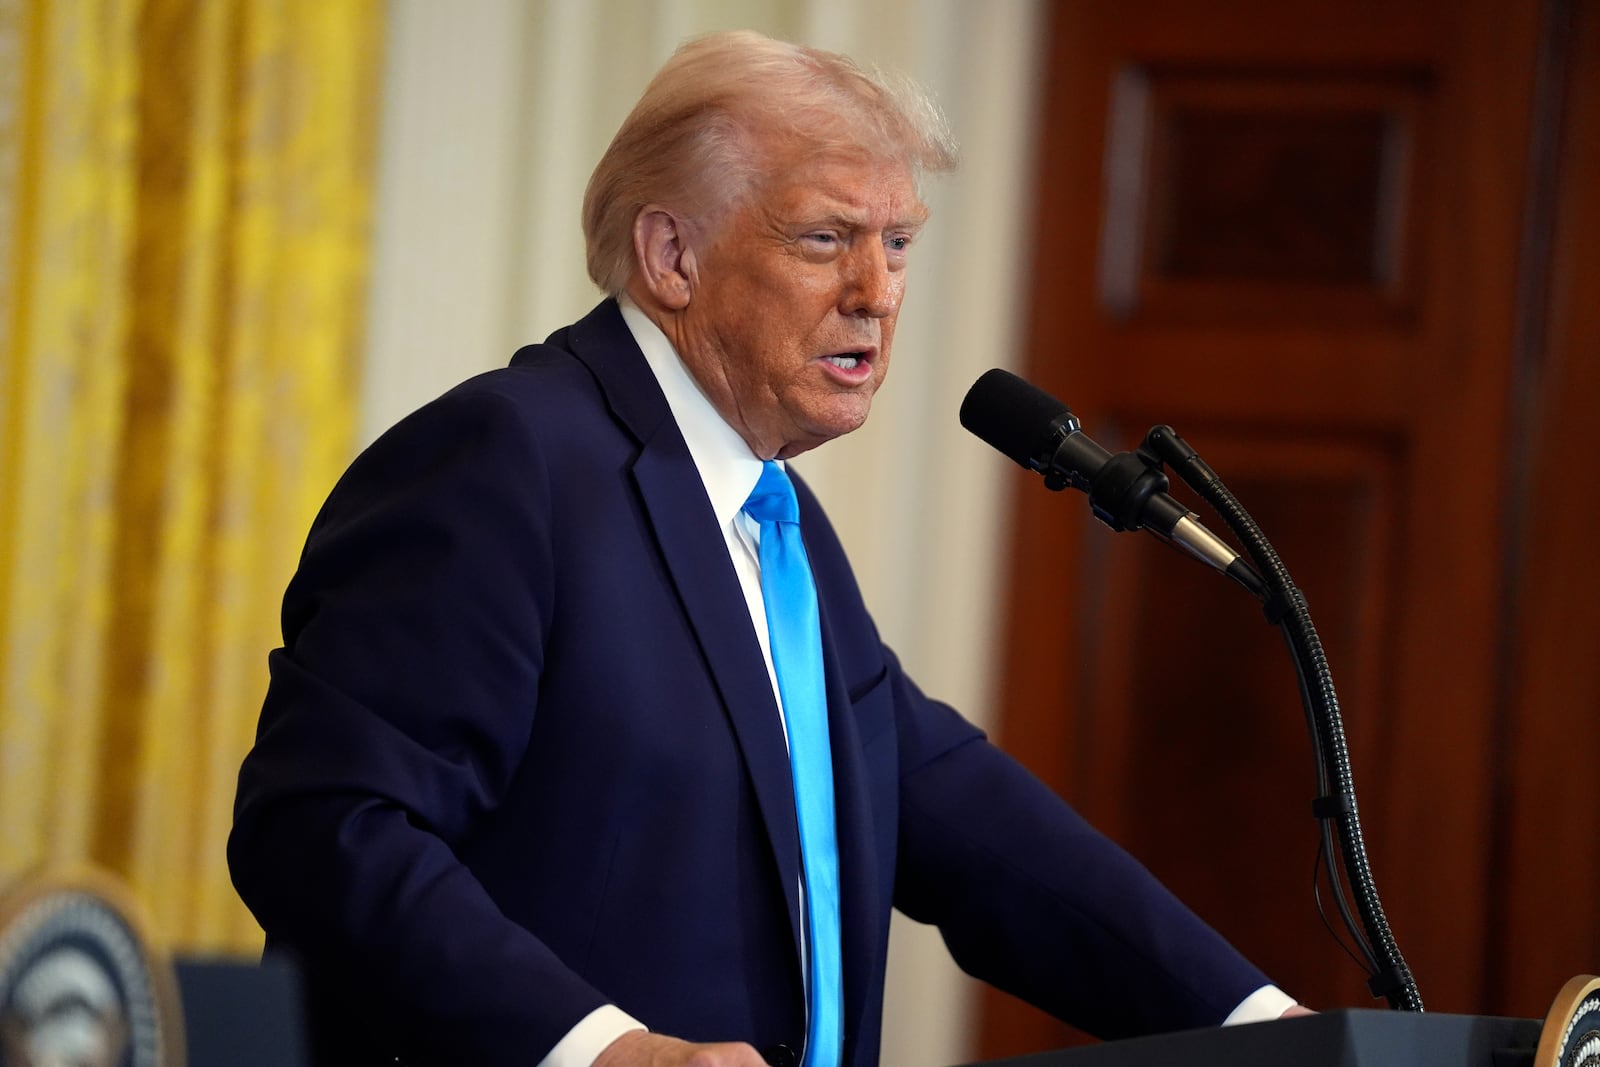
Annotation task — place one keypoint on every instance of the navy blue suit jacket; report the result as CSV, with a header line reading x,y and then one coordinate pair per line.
x,y
520,757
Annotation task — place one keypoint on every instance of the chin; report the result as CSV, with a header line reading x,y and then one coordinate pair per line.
x,y
818,423
845,418
819,432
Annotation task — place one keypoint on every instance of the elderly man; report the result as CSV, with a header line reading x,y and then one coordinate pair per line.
x,y
579,750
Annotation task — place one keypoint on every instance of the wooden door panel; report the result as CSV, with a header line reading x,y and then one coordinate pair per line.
x,y
1296,233
1240,194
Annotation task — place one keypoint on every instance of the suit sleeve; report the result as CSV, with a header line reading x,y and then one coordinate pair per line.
x,y
395,719
1031,898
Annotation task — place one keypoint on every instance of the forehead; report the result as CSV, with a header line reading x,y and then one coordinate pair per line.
x,y
862,188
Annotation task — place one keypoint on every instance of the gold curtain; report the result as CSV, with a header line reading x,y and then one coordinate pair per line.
x,y
184,192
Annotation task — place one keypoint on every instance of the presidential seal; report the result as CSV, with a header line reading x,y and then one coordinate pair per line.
x,y
80,984
1571,1034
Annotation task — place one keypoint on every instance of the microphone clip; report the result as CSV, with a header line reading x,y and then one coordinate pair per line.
x,y
1126,490
1121,492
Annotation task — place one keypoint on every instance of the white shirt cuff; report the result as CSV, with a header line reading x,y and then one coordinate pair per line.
x,y
1264,1005
583,1044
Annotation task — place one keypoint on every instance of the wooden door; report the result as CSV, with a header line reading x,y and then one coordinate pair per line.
x,y
1309,236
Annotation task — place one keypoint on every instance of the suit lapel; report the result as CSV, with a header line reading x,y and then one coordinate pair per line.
x,y
860,909
691,544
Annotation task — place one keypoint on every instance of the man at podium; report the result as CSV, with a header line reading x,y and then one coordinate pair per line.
x,y
582,747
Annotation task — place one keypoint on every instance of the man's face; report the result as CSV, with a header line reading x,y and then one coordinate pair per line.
x,y
794,298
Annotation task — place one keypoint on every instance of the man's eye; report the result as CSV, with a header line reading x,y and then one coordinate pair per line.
x,y
821,238
900,244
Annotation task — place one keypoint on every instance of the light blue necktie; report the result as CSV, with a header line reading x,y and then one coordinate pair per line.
x,y
796,636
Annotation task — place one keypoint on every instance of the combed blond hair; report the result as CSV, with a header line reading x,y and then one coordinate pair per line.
x,y
693,140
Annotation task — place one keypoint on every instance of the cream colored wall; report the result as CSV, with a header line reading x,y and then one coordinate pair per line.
x,y
495,111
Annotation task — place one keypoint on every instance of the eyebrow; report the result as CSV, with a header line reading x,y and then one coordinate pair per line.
x,y
856,222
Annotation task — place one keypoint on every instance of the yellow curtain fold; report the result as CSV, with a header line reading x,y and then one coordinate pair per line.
x,y
180,316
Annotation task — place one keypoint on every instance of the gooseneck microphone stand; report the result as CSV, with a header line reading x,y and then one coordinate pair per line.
x,y
1335,805
1128,491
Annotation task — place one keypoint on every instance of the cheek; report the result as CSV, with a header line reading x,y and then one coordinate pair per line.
x,y
897,288
886,344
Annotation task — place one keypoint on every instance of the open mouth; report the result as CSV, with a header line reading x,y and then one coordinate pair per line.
x,y
858,360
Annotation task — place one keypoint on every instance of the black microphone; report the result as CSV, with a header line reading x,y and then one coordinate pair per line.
x,y
1126,491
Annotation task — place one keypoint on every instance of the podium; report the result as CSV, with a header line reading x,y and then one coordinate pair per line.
x,y
241,1014
1355,1038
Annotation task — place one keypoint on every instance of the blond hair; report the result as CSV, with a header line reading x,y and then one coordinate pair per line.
x,y
693,140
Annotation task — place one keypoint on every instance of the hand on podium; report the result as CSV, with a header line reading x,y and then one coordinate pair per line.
x,y
639,1048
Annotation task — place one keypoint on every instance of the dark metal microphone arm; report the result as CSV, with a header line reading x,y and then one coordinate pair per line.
x,y
1335,806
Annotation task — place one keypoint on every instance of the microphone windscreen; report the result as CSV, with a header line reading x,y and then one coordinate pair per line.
x,y
1013,415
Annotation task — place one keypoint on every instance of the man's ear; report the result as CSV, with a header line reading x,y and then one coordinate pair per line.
x,y
666,263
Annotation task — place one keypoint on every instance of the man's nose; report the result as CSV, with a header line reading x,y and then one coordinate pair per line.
x,y
872,289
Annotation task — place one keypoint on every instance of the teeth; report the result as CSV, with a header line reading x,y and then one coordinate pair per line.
x,y
843,362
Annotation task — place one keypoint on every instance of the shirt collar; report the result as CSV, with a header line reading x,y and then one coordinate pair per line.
x,y
727,466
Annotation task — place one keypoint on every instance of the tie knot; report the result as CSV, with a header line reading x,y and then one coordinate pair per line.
x,y
772,500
